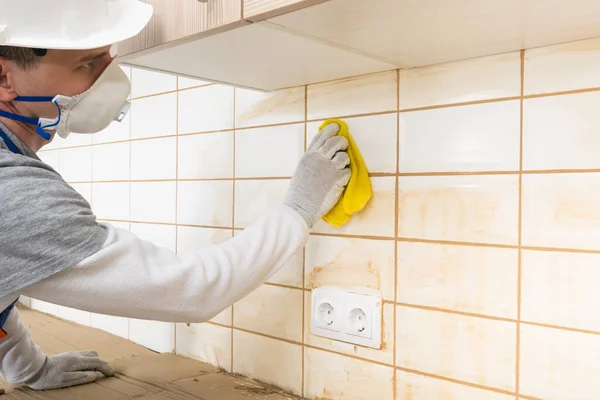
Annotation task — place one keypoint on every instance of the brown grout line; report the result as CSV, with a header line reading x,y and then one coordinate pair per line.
x,y
350,116
562,93
396,222
455,312
347,236
176,177
304,294
561,328
461,104
520,235
233,206
461,173
453,243
196,87
402,239
268,336
493,318
129,184
146,96
452,380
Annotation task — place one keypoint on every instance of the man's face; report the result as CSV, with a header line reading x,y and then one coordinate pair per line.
x,y
66,72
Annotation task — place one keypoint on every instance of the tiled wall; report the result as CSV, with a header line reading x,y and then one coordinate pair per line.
x,y
483,236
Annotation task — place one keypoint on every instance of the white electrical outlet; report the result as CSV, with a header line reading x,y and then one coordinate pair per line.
x,y
345,316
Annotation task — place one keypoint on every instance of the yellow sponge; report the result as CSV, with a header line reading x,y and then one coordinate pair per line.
x,y
359,190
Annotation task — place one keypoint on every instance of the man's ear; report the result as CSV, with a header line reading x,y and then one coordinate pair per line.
x,y
7,92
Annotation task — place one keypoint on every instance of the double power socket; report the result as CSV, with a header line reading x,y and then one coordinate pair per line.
x,y
345,316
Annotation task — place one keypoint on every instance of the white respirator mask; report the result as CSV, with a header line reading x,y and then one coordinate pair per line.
x,y
89,112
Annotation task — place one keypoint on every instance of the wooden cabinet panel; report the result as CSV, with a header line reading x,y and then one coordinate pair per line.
x,y
256,10
172,20
223,12
177,19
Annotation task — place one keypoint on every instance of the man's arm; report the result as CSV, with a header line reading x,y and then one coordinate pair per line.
x,y
130,277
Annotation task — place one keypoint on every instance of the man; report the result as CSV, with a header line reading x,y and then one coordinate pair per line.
x,y
57,77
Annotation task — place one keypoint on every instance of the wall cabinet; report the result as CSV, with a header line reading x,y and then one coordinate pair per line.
x,y
174,20
274,44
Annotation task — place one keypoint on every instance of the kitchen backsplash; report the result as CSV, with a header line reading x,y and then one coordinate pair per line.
x,y
483,236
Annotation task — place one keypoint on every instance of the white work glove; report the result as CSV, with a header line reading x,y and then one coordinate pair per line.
x,y
321,177
70,369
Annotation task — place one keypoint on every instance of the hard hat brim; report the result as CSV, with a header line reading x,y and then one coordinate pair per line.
x,y
134,18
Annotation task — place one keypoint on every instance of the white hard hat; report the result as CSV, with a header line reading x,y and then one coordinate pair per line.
x,y
70,24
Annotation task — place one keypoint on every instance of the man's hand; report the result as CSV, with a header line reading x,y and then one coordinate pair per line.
x,y
70,369
321,177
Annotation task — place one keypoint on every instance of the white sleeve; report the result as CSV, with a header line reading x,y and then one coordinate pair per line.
x,y
20,358
133,278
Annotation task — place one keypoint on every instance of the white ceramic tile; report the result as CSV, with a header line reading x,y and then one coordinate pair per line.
x,y
559,289
154,335
52,158
282,366
116,325
153,202
481,137
84,189
208,108
208,203
76,164
472,279
374,135
225,317
420,387
475,350
561,132
154,159
291,273
268,152
206,156
144,82
383,355
154,116
186,83
271,310
25,301
562,67
376,219
558,364
160,235
561,210
332,376
254,198
481,208
44,307
116,132
111,162
205,342
351,96
111,200
462,81
256,108
76,139
71,314
363,265
118,225
194,239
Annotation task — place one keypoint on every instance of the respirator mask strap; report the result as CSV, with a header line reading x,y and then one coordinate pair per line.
x,y
40,124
